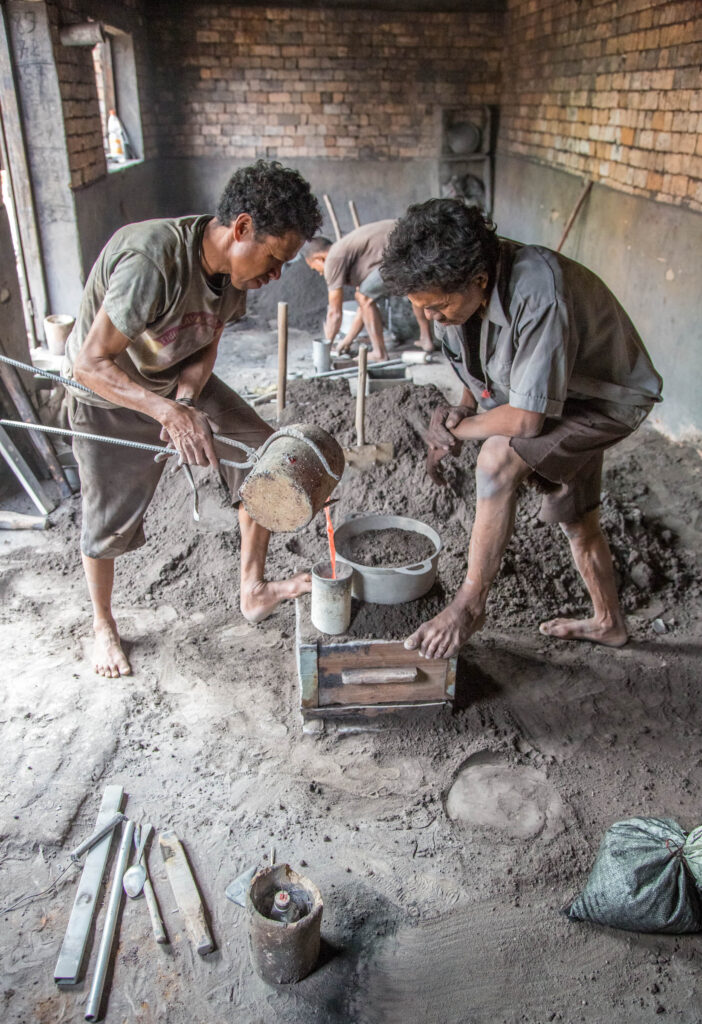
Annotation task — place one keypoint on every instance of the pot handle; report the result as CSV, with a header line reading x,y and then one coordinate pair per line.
x,y
414,570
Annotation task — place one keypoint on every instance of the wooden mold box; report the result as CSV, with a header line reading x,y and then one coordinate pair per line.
x,y
342,676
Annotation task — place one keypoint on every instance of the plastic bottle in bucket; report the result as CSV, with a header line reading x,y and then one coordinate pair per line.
x,y
284,908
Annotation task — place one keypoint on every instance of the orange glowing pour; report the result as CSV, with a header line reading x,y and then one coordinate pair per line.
x,y
332,546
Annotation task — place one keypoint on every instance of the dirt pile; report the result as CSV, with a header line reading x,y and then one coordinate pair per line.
x,y
387,548
196,565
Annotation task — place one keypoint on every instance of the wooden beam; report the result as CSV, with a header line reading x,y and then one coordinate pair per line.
x,y
17,166
24,474
41,442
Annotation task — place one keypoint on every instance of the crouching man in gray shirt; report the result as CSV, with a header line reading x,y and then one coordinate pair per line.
x,y
553,373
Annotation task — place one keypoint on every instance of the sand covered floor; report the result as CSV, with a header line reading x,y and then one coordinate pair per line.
x,y
444,846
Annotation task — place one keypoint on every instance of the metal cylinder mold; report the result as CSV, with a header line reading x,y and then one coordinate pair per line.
x,y
330,608
283,952
289,484
321,355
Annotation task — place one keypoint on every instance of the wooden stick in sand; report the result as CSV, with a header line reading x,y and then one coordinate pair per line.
x,y
354,214
332,216
282,354
361,396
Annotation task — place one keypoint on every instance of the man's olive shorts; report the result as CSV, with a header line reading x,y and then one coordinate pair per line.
x,y
567,460
118,483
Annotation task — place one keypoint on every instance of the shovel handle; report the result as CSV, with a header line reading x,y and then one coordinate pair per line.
x,y
361,395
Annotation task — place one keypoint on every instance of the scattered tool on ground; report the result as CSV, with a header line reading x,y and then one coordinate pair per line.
x,y
186,892
364,456
69,961
92,1008
135,876
136,880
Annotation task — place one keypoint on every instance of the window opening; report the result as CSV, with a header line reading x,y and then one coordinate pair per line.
x,y
115,78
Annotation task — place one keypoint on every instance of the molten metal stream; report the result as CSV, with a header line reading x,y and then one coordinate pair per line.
x,y
332,546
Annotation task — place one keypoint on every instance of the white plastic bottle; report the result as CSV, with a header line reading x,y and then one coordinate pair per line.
x,y
284,908
117,138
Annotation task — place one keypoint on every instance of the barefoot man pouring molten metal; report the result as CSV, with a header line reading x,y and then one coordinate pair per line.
x,y
553,373
145,342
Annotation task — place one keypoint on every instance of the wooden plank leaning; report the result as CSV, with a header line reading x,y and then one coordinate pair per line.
x,y
41,442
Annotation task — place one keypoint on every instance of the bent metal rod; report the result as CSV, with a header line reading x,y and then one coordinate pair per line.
x,y
253,454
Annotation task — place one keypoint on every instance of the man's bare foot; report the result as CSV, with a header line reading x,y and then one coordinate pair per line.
x,y
610,633
426,346
109,659
374,357
262,599
445,634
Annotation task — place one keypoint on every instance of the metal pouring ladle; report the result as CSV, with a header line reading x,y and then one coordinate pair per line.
x,y
135,876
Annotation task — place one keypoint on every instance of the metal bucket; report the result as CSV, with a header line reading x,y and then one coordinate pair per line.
x,y
289,484
321,355
394,584
330,606
281,952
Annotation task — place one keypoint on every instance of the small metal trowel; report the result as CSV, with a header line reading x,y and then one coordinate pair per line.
x,y
236,891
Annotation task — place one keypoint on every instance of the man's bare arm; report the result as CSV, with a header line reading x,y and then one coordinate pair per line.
x,y
95,367
335,312
196,371
503,420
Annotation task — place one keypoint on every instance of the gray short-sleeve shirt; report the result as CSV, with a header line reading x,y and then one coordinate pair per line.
x,y
351,259
150,281
552,330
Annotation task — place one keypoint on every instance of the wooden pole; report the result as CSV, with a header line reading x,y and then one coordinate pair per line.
x,y
282,354
13,457
361,395
576,210
354,214
332,215
41,442
17,165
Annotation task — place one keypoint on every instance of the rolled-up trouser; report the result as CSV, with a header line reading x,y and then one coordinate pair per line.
x,y
373,286
118,483
567,459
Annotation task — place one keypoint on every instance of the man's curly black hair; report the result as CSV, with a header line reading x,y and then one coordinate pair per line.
x,y
277,199
440,245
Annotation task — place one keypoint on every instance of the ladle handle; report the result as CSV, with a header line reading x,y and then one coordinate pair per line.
x,y
361,395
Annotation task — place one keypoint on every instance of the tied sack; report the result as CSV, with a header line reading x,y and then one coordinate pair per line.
x,y
644,879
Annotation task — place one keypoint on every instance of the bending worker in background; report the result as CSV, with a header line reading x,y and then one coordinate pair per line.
x,y
145,341
354,260
553,373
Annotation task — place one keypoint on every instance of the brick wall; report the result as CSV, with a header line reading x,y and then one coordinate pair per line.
x,y
272,82
76,72
609,89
